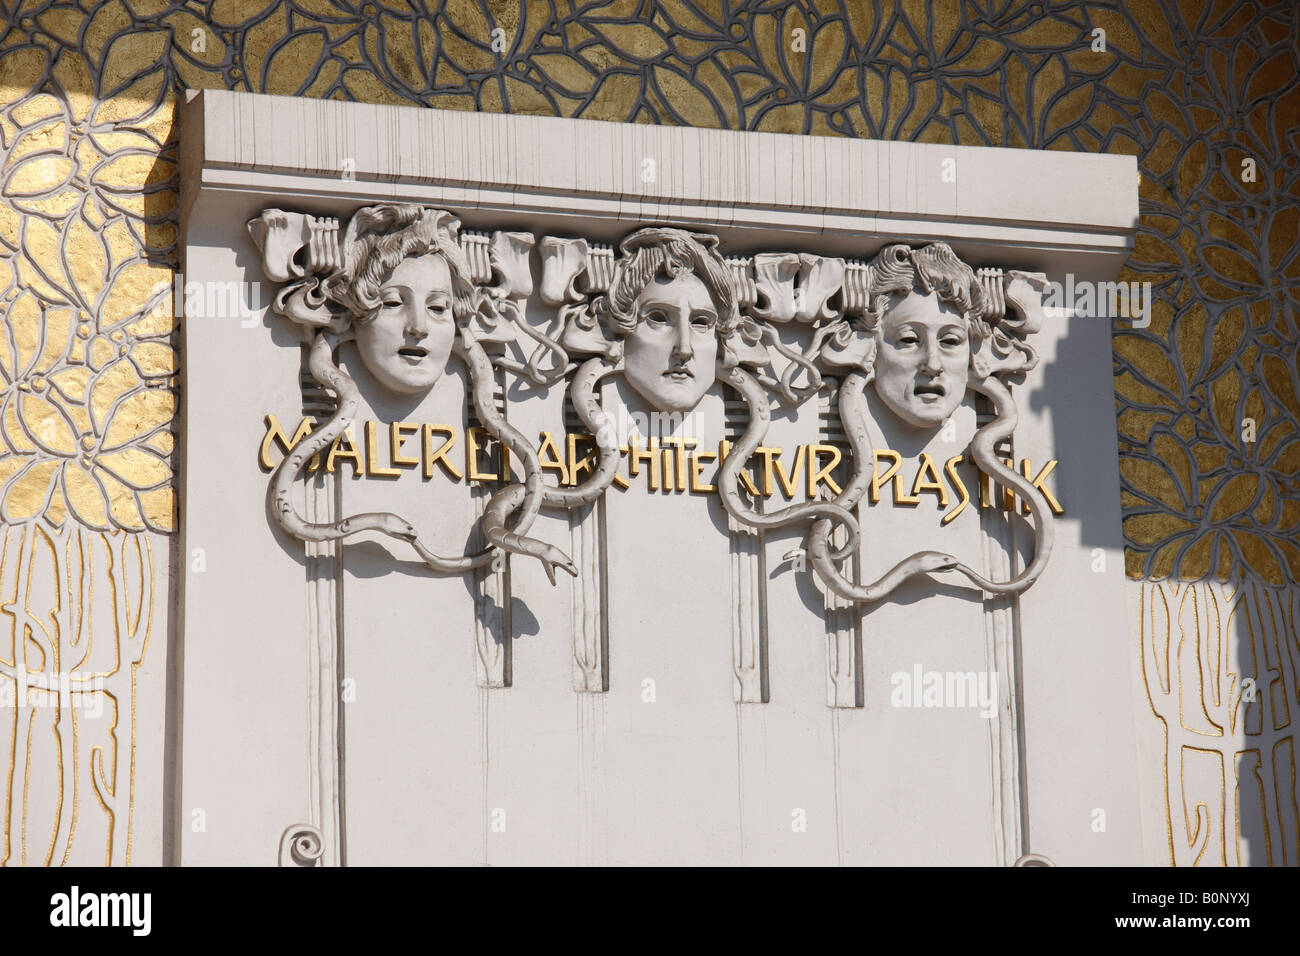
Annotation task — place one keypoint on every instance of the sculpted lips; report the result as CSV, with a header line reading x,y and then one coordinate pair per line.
x,y
930,392
413,353
679,374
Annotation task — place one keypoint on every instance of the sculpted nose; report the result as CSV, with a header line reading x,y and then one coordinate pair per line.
x,y
682,348
415,326
932,365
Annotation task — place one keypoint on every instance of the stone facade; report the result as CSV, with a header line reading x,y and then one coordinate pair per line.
x,y
1206,393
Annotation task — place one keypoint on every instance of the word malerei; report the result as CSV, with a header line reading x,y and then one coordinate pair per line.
x,y
670,463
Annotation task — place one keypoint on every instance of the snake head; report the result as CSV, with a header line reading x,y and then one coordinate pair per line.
x,y
928,562
554,558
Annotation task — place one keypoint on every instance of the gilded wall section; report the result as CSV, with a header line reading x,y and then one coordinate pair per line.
x,y
1207,395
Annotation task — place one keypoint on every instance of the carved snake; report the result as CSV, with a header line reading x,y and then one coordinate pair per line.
x,y
508,499
982,450
853,414
796,362
324,370
526,498
755,430
546,345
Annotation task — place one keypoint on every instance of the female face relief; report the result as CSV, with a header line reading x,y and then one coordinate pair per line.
x,y
922,359
669,358
407,342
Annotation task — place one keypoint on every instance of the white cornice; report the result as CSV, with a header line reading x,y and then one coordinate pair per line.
x,y
1061,211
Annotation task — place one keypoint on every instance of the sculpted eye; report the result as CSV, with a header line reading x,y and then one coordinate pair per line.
x,y
391,300
656,318
439,306
702,322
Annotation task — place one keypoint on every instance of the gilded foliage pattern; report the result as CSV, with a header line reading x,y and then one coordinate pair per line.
x,y
1208,396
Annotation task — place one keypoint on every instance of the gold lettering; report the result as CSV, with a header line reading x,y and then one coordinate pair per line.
x,y
274,433
986,489
901,497
698,458
929,484
651,455
432,458
395,439
372,462
682,464
1038,483
877,479
554,462
472,448
337,451
586,463
789,485
680,446
950,469
619,479
724,449
768,454
819,473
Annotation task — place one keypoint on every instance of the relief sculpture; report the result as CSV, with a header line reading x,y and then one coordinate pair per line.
x,y
929,330
399,285
673,317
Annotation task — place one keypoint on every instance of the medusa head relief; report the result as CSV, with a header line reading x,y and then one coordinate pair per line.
x,y
927,330
399,285
666,316
665,313
931,328
404,286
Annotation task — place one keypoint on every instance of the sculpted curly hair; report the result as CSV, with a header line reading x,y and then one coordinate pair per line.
x,y
379,238
899,269
656,251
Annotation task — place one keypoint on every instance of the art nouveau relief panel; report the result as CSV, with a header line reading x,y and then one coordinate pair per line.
x,y
1218,661
79,662
633,542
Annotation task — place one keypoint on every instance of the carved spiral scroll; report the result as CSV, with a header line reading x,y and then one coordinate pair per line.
x,y
301,845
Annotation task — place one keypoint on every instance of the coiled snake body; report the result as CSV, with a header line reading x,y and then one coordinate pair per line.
x,y
853,413
525,498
